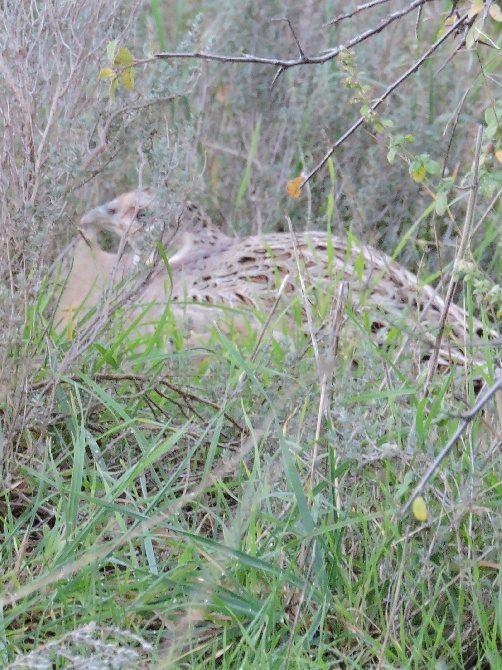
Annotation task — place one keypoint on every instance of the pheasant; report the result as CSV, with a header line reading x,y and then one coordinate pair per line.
x,y
93,270
211,271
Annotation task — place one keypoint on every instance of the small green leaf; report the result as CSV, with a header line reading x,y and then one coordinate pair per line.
x,y
491,131
123,57
113,87
441,203
128,78
110,50
364,110
391,154
106,72
472,37
490,116
478,27
418,174
431,166
492,122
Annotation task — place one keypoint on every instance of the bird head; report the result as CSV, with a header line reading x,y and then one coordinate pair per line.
x,y
120,215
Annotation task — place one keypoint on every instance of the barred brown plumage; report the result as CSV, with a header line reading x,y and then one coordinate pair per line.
x,y
210,271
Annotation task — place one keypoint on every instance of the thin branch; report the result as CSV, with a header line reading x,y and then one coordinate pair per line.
x,y
419,18
487,211
464,241
269,318
285,64
261,335
385,95
131,377
305,300
453,129
357,10
298,45
103,131
467,418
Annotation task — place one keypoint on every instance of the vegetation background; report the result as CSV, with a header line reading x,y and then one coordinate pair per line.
x,y
162,511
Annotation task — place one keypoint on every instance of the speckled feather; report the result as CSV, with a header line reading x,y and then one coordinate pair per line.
x,y
210,268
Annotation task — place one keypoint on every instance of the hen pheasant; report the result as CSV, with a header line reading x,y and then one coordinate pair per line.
x,y
210,271
92,272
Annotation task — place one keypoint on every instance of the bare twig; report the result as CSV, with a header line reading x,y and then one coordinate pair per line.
x,y
286,63
419,18
467,418
453,129
464,241
326,387
298,45
357,10
103,131
385,95
305,300
269,318
395,603
487,211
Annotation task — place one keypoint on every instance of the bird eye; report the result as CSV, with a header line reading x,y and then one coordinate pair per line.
x,y
111,210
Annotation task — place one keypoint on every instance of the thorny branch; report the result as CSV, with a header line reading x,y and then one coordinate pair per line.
x,y
414,68
357,10
303,59
466,419
187,395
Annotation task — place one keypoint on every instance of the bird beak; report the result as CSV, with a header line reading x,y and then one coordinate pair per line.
x,y
97,216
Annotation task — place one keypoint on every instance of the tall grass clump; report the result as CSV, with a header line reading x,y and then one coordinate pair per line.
x,y
238,503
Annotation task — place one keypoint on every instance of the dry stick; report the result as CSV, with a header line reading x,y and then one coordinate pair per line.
x,y
359,8
464,241
385,95
487,211
283,63
305,300
419,18
466,419
298,45
442,322
185,394
315,348
103,131
298,607
455,51
453,130
325,386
